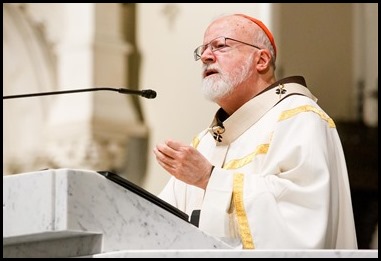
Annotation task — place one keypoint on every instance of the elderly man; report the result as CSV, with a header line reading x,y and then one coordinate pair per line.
x,y
269,172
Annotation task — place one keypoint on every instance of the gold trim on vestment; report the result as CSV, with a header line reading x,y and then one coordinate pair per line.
x,y
246,237
306,108
238,163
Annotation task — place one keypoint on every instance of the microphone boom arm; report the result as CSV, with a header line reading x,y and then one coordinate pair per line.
x,y
149,94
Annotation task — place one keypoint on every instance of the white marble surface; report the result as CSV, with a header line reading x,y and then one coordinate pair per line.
x,y
65,212
233,253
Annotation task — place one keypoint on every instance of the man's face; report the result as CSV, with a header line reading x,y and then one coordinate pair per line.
x,y
227,67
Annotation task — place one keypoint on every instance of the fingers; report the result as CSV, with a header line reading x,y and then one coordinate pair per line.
x,y
161,156
164,160
166,155
183,162
166,151
171,148
169,155
175,145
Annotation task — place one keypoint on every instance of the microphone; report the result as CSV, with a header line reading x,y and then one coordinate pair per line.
x,y
149,94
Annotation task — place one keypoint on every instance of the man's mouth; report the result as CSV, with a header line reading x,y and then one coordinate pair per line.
x,y
209,72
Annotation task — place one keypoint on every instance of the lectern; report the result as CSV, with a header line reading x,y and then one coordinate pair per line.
x,y
72,213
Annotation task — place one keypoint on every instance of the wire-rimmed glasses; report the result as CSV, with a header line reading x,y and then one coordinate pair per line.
x,y
215,45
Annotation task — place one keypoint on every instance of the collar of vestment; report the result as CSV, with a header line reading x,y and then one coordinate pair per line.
x,y
226,129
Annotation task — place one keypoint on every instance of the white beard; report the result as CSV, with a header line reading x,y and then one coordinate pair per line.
x,y
219,85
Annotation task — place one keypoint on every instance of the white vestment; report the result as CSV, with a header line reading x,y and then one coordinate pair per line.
x,y
280,179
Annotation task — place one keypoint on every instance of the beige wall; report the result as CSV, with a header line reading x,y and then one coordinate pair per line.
x,y
334,46
316,43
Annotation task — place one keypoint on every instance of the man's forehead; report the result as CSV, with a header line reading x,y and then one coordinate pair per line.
x,y
231,26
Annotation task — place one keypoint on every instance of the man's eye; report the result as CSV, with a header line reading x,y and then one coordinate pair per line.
x,y
219,46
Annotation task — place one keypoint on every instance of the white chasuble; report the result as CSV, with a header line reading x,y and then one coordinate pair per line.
x,y
280,179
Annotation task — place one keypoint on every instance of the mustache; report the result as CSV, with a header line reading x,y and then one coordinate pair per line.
x,y
210,67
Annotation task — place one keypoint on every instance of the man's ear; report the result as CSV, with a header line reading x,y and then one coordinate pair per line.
x,y
264,61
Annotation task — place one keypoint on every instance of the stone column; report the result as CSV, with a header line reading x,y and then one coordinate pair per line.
x,y
92,130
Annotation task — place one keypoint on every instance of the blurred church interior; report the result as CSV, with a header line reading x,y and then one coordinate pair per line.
x,y
52,47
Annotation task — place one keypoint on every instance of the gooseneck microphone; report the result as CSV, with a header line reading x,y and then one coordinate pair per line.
x,y
149,94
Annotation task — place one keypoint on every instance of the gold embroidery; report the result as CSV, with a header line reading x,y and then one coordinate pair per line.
x,y
195,142
238,163
290,113
246,237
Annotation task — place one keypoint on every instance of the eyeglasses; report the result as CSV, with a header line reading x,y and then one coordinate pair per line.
x,y
215,45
